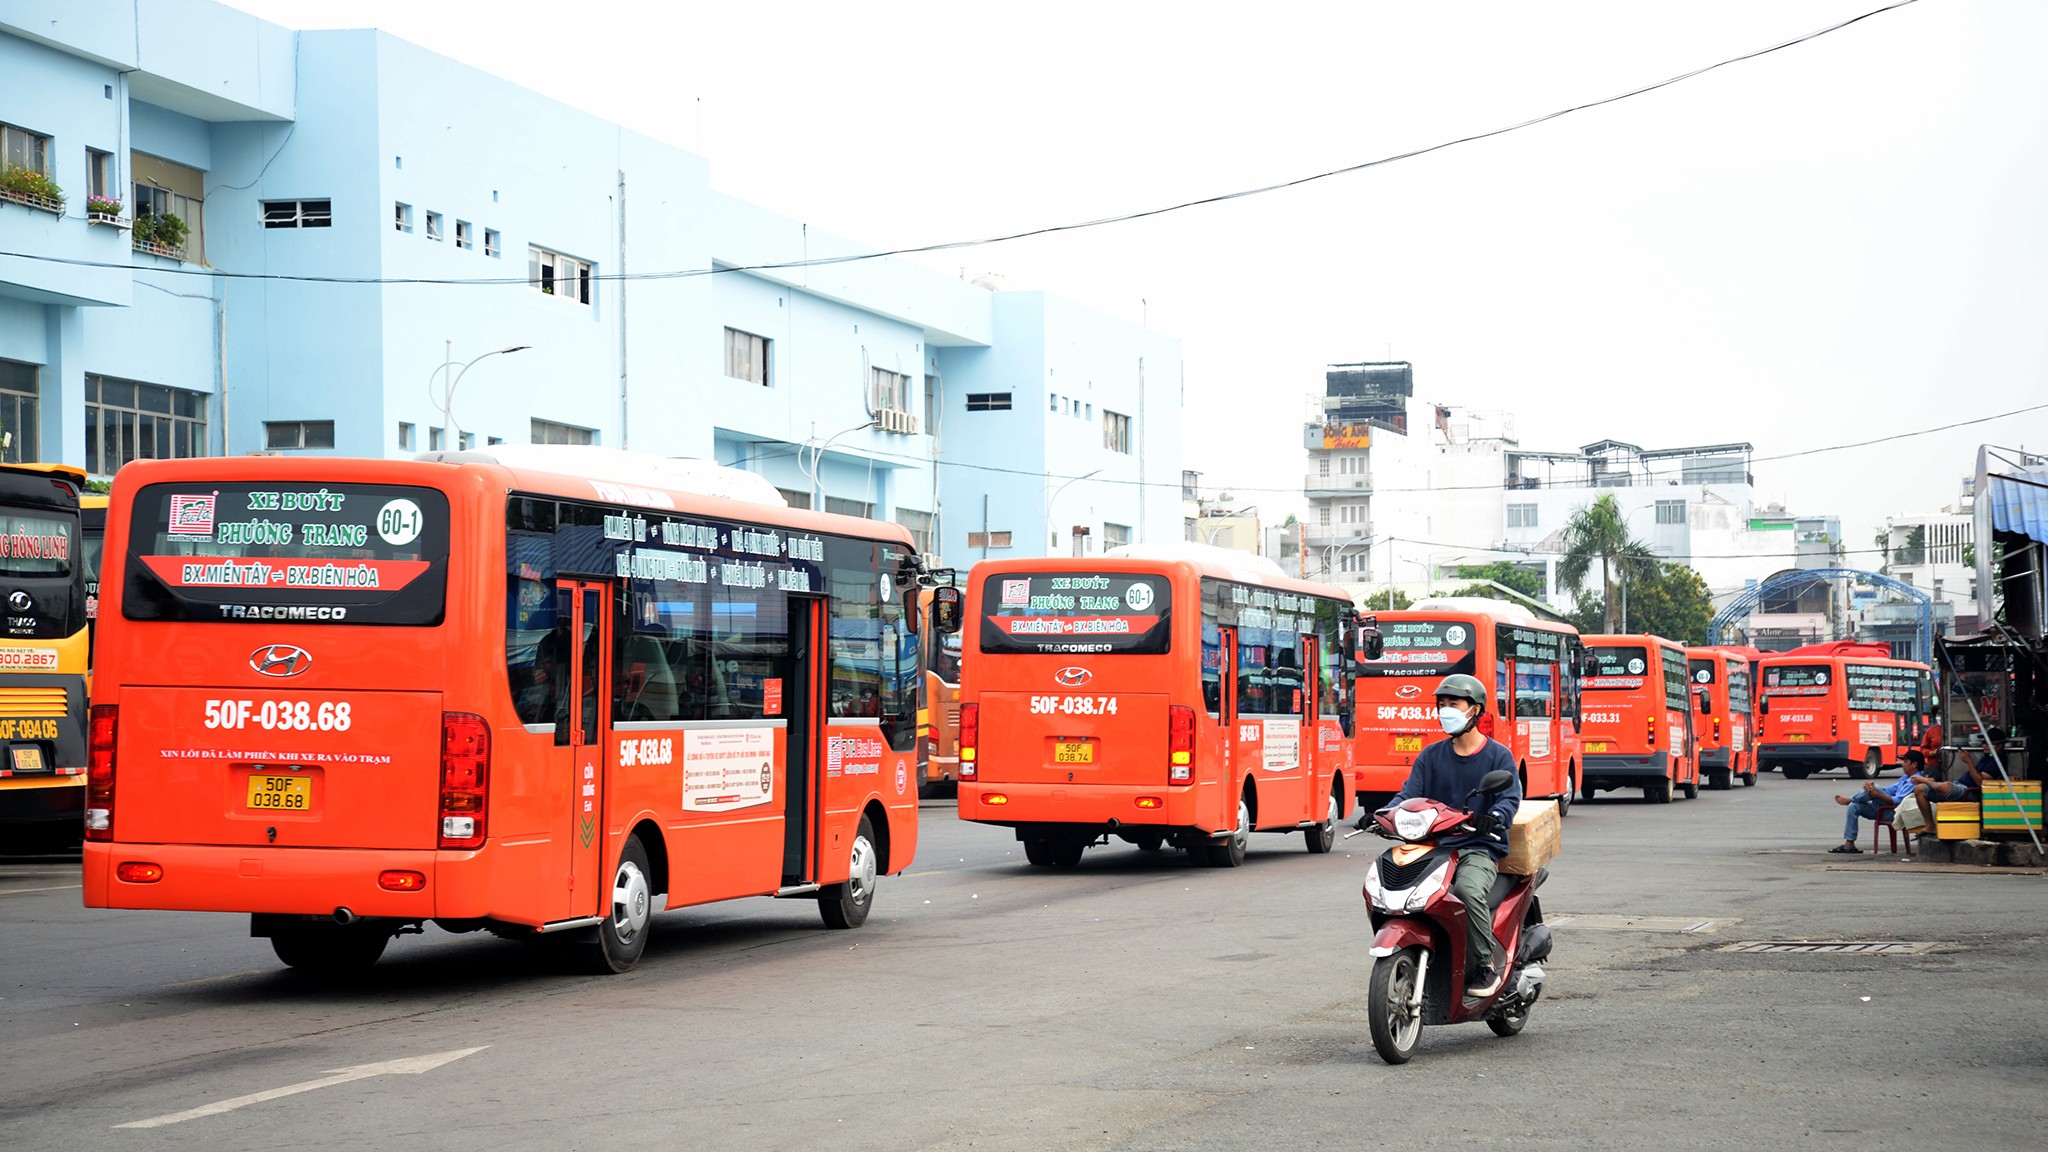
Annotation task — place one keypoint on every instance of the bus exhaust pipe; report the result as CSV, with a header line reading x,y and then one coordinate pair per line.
x,y
343,916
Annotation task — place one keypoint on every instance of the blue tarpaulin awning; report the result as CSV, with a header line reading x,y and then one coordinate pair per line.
x,y
2018,501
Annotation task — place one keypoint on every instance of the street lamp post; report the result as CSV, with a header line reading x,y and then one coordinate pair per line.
x,y
454,377
1054,499
818,460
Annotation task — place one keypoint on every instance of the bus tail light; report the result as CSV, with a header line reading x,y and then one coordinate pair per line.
x,y
1180,744
969,734
1717,729
1650,730
401,880
465,779
99,772
138,872
1834,726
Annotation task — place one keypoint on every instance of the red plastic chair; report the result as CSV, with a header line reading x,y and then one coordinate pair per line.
x,y
1883,821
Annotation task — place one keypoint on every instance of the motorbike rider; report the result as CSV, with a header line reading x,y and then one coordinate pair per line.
x,y
1449,771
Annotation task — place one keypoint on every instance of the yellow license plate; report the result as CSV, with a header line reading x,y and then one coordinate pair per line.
x,y
1407,743
1797,737
1073,752
1596,745
28,759
281,793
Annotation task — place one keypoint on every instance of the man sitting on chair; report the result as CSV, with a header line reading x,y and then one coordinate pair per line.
x,y
1873,802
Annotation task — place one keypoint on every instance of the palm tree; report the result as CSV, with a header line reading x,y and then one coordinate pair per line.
x,y
1597,532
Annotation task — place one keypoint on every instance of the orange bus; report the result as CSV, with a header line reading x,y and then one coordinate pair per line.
x,y
44,656
1637,718
941,706
1174,694
1533,664
541,691
1721,689
1841,704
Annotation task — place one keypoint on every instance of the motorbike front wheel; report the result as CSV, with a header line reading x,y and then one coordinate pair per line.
x,y
1395,1008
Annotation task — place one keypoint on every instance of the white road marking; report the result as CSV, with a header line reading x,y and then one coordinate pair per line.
x,y
52,888
406,1066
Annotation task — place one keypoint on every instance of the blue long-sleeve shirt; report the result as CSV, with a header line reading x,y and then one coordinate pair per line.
x,y
1441,774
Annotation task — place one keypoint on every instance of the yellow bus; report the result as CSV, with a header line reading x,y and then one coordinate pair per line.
x,y
43,655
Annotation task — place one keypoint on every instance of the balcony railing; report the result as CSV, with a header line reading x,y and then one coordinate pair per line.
x,y
1315,482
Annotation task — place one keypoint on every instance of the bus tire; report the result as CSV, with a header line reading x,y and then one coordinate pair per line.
x,y
846,904
1323,837
1796,771
1873,762
1658,793
1749,780
1564,799
330,950
1717,779
622,930
1149,841
1230,852
1691,788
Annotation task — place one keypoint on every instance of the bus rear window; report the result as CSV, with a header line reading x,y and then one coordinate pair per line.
x,y
1620,667
1797,680
1062,612
1703,671
1423,648
333,553
33,545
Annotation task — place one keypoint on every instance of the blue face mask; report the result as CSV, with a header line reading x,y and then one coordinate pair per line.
x,y
1451,718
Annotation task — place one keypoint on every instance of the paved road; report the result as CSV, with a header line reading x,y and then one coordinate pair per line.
x,y
1134,1002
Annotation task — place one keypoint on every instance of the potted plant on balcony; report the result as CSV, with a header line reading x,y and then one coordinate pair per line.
x,y
31,188
101,210
161,234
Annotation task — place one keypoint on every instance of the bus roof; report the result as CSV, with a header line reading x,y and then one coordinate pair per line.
x,y
70,472
1611,639
1202,559
1500,611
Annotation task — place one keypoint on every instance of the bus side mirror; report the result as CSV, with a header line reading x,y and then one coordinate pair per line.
x,y
1763,705
1706,705
1371,645
948,609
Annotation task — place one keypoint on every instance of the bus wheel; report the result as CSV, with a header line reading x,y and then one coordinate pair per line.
x,y
1564,799
330,950
1323,837
1749,781
1658,793
1796,772
1717,779
1149,841
1230,853
622,931
1691,788
846,905
1873,764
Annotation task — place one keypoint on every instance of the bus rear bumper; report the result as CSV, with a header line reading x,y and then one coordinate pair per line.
x,y
1836,752
1619,770
42,799
1098,807
1715,759
291,881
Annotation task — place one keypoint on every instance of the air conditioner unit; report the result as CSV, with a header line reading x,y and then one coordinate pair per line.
x,y
898,421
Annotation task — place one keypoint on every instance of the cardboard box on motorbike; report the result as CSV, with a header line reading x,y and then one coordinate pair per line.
x,y
1535,838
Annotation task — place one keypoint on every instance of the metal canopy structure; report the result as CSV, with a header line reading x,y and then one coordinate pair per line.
x,y
1741,607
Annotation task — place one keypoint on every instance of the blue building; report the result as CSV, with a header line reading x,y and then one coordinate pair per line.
x,y
385,252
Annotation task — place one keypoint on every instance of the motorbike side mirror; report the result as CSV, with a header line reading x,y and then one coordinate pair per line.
x,y
1496,780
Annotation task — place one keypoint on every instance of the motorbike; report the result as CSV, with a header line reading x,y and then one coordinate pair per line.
x,y
1419,966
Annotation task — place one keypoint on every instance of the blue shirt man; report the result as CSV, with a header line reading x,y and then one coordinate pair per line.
x,y
1869,804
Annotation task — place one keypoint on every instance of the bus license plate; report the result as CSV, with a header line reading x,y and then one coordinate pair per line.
x,y
1596,745
1797,737
29,759
1407,743
281,793
1073,752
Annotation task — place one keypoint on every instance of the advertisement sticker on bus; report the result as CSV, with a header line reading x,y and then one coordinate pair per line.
x,y
1282,744
728,768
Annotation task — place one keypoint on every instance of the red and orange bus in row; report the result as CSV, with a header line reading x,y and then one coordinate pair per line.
x,y
1721,680
1636,721
1839,705
544,691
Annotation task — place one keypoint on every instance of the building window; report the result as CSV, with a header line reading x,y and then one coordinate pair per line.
x,y
99,175
437,439
285,435
465,440
988,539
21,148
1354,562
1351,465
1187,528
465,234
920,525
988,401
127,420
1116,432
402,217
19,426
298,213
840,507
746,356
493,245
493,440
549,432
1054,397
931,404
888,391
794,498
166,189
1521,515
1115,535
1353,514
1670,511
433,225
554,274
406,439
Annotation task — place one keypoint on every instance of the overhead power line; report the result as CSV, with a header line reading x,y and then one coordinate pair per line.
x,y
1046,230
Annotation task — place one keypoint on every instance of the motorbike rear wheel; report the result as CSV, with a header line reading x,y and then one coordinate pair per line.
x,y
1392,1004
1508,1023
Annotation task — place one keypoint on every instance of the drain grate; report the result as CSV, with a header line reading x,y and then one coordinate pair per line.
x,y
1639,923
1838,947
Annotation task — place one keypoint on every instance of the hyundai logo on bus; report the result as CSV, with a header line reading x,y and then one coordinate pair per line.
x,y
1408,691
280,660
1072,677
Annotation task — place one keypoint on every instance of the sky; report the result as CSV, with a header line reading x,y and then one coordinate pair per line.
x,y
1836,242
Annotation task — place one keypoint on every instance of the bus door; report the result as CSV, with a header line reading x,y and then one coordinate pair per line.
x,y
1226,717
802,789
584,729
1308,709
